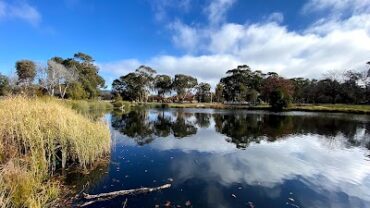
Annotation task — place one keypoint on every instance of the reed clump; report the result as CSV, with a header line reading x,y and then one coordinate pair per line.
x,y
38,137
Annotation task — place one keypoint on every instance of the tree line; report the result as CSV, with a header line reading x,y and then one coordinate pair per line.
x,y
244,85
74,78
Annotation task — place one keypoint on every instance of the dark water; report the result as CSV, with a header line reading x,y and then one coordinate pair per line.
x,y
223,158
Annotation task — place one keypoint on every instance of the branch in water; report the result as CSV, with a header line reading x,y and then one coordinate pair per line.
x,y
110,195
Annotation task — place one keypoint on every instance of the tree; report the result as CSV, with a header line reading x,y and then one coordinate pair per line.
x,y
203,92
277,91
57,76
350,91
183,85
301,89
219,93
127,87
26,71
145,79
328,91
239,82
87,73
278,100
84,57
163,84
4,85
135,86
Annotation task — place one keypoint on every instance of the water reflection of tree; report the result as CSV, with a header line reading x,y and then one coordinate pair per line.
x,y
243,129
162,125
138,125
135,124
203,120
182,127
240,128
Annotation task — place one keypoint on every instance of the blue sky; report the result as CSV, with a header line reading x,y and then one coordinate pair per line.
x,y
203,38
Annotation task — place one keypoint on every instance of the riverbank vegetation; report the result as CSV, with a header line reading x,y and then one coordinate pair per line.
x,y
339,108
74,78
38,137
243,86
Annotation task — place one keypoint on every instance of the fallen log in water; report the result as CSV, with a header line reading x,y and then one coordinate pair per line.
x,y
110,195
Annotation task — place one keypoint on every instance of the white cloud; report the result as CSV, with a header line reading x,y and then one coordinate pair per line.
x,y
20,10
275,17
206,68
327,44
314,159
327,166
216,11
160,7
184,36
120,68
337,7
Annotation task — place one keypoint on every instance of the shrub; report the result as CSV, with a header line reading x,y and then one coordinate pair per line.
x,y
278,100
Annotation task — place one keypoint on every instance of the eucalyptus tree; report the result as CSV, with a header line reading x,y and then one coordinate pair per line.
x,y
145,81
89,81
127,87
329,91
163,84
219,93
239,82
57,77
26,71
302,88
135,86
4,85
351,91
183,85
203,93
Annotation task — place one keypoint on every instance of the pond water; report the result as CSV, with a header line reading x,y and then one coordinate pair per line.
x,y
237,158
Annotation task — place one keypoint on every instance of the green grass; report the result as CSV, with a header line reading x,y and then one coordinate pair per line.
x,y
85,106
361,109
345,108
38,137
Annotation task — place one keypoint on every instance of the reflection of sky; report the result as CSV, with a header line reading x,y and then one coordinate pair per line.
x,y
327,166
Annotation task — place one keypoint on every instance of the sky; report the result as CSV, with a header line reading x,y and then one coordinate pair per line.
x,y
202,38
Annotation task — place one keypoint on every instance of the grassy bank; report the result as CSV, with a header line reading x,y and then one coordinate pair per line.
x,y
38,137
359,109
89,107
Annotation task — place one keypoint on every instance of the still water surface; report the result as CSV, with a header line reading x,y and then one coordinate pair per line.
x,y
225,158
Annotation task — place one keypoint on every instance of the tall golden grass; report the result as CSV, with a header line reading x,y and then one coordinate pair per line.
x,y
37,137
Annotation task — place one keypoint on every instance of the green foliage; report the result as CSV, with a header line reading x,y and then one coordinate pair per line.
x,y
88,76
163,84
26,71
278,100
183,84
239,82
4,85
135,86
203,92
219,93
76,91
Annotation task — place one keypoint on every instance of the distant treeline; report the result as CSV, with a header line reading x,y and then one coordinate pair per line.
x,y
74,78
243,85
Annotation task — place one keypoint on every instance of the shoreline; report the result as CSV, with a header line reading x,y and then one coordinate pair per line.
x,y
327,108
